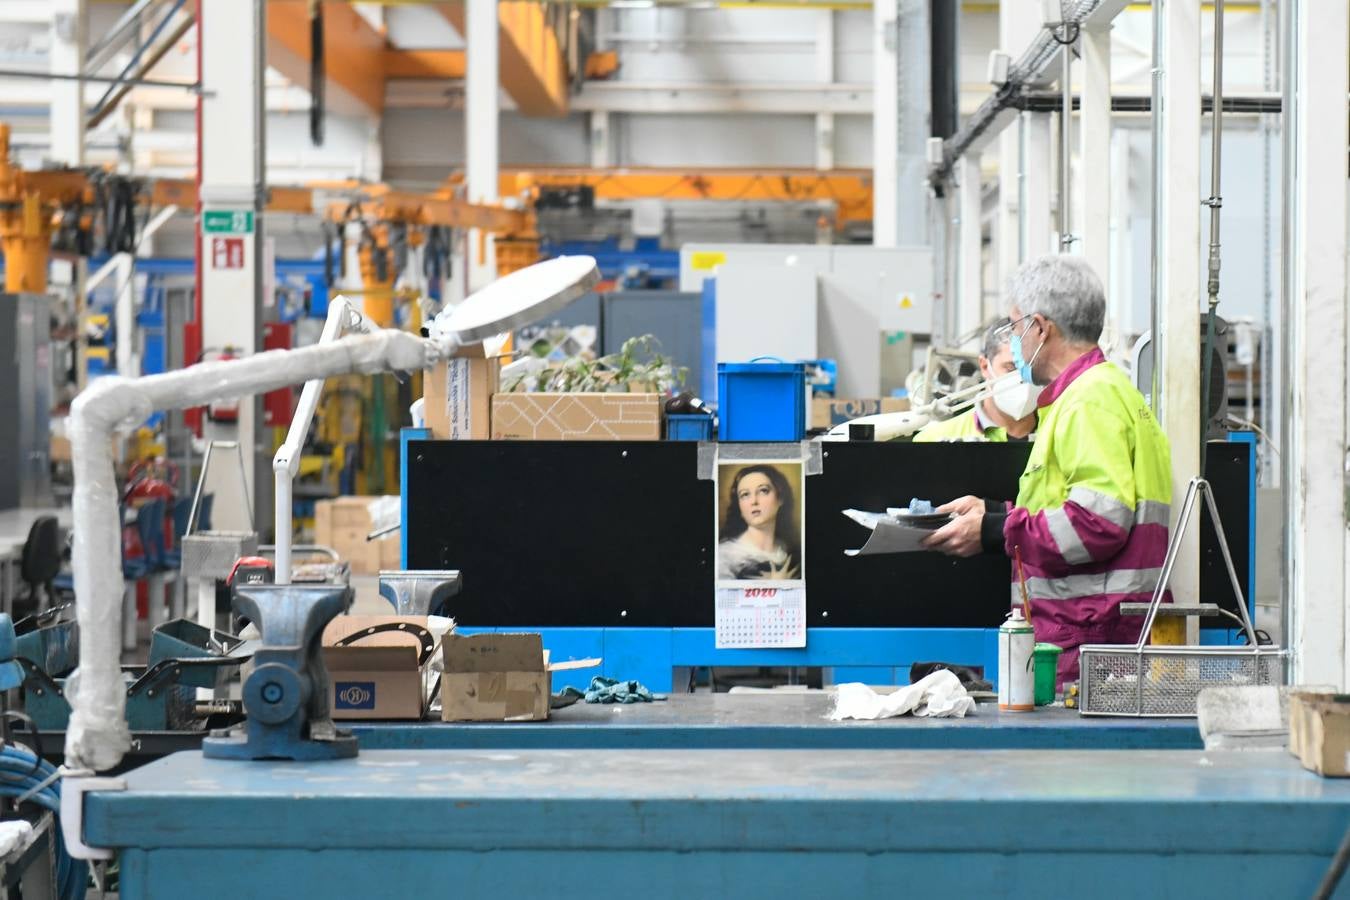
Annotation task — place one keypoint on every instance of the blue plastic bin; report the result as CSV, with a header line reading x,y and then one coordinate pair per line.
x,y
761,401
689,427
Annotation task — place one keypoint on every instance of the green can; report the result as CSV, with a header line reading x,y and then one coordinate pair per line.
x,y
1045,659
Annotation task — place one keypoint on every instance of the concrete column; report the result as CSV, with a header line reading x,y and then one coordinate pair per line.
x,y
1177,345
1313,433
1018,23
233,179
69,40
1094,152
1036,197
969,279
482,88
600,156
824,141
885,123
825,75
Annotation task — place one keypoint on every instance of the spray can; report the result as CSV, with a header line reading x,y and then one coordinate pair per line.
x,y
1016,674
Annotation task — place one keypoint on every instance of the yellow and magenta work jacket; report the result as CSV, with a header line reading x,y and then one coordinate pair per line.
x,y
1092,510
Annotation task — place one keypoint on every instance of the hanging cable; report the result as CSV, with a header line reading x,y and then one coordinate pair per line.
x,y
1215,204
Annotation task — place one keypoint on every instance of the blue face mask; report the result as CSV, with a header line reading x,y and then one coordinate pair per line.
x,y
1019,360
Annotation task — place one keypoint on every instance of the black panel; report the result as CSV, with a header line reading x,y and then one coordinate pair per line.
x,y
1228,467
621,534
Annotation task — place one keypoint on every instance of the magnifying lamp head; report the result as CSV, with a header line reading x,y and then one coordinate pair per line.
x,y
522,297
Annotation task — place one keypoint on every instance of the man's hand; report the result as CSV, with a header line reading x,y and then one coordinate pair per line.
x,y
961,536
962,505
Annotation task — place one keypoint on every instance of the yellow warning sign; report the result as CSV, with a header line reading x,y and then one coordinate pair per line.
x,y
906,303
706,260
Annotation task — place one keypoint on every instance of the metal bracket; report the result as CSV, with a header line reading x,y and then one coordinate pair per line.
x,y
73,789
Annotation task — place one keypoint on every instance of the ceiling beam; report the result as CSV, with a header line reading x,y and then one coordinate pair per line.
x,y
353,54
533,68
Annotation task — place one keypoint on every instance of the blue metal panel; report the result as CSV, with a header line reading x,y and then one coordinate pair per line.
x,y
869,675
404,436
573,643
897,647
641,654
709,335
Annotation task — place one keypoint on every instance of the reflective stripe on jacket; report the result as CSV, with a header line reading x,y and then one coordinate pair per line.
x,y
1092,511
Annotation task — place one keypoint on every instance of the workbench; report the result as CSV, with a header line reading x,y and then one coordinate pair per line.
x,y
778,721
725,823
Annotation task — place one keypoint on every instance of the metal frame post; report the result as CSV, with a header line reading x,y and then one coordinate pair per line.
x,y
481,115
1316,38
1177,263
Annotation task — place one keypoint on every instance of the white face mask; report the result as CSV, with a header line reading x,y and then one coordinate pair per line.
x,y
1014,397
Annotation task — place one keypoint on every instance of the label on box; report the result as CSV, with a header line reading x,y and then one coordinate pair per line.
x,y
354,694
458,400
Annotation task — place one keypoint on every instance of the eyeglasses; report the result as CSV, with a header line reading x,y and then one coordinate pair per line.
x,y
1008,329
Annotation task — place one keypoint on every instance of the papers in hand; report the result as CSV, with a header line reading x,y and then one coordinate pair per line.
x,y
893,533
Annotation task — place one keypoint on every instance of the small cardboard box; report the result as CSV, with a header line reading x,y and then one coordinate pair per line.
x,y
458,394
827,412
343,523
610,416
380,676
499,678
1319,731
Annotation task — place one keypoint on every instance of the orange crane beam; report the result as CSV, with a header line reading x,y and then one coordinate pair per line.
x,y
849,189
354,53
532,64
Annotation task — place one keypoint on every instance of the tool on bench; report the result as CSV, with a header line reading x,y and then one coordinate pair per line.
x,y
421,592
286,694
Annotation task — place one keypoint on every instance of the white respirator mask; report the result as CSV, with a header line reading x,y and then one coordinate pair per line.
x,y
1014,397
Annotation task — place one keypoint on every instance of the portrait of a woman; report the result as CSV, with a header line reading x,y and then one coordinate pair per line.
x,y
759,537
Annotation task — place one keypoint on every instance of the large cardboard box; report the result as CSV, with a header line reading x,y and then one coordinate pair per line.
x,y
343,523
1319,731
381,675
827,412
499,677
577,417
458,394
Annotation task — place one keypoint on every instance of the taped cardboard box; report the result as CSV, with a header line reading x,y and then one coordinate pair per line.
x,y
499,677
610,416
1319,731
381,675
827,412
458,394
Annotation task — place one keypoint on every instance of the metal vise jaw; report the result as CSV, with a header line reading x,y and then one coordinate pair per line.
x,y
419,592
286,694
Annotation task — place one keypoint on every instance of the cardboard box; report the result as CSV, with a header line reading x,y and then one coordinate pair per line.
x,y
1319,731
343,523
577,417
380,676
458,394
499,678
827,412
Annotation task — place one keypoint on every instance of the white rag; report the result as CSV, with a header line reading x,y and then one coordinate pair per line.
x,y
14,833
938,695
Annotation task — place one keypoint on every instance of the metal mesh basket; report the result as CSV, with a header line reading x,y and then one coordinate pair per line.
x,y
1144,680
1165,681
212,554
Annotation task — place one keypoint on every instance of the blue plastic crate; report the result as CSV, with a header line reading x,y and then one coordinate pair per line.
x,y
689,427
761,401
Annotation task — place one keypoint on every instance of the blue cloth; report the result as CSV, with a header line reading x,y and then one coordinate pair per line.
x,y
610,690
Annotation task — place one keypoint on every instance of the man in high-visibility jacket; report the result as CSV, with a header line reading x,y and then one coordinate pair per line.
x,y
1008,414
1092,510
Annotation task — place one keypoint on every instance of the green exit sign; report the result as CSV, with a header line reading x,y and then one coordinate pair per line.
x,y
227,221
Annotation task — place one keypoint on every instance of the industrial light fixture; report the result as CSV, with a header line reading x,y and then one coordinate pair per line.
x,y
1052,14
1000,64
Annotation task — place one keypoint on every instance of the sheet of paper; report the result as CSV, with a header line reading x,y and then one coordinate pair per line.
x,y
890,536
749,617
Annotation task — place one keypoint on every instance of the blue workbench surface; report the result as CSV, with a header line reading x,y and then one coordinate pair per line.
x,y
722,823
785,721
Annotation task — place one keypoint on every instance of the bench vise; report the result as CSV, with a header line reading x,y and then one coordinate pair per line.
x,y
286,694
419,592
